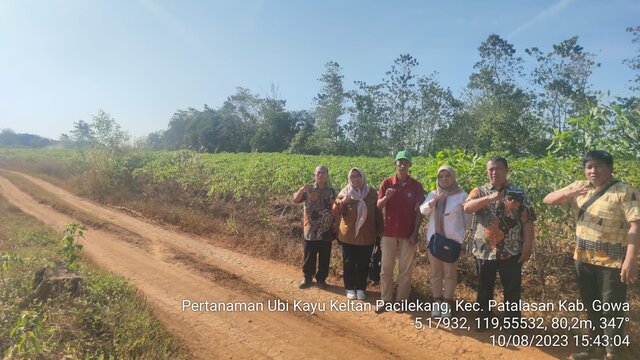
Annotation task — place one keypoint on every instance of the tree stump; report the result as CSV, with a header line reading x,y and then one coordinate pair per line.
x,y
51,281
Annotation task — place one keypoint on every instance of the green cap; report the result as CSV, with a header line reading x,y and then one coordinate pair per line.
x,y
404,154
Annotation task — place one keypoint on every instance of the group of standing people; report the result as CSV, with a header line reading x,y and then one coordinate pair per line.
x,y
501,232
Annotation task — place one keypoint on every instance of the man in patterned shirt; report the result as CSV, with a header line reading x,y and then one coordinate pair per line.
x,y
608,238
318,227
503,237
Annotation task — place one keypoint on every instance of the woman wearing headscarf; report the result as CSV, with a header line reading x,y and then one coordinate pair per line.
x,y
359,222
444,205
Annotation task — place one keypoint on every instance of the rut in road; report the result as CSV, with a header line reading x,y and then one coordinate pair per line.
x,y
172,267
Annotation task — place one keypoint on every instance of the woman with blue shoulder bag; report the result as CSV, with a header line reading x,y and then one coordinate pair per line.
x,y
445,235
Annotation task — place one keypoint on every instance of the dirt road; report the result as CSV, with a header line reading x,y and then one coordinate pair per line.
x,y
172,269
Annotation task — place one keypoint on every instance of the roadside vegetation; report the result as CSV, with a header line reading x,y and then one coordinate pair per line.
x,y
107,320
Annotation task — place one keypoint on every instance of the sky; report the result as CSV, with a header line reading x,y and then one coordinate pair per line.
x,y
62,61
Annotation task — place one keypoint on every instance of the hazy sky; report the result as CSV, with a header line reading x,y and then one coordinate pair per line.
x,y
141,60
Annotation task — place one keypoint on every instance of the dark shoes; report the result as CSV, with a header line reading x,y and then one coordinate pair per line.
x,y
305,283
590,353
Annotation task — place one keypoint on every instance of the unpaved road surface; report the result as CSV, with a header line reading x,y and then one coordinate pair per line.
x,y
171,268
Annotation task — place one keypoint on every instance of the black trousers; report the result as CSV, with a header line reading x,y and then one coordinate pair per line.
x,y
321,250
355,265
510,276
603,284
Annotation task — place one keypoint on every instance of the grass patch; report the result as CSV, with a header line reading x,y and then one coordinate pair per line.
x,y
108,320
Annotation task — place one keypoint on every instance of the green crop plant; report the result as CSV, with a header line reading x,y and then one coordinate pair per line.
x,y
7,261
70,247
25,335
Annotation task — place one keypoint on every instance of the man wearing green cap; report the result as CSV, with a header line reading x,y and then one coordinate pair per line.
x,y
400,196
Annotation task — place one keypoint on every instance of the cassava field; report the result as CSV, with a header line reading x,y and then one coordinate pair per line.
x,y
185,226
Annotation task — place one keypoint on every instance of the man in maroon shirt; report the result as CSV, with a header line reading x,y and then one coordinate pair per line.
x,y
400,196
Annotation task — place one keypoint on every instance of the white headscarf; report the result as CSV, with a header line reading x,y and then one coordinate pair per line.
x,y
442,205
358,195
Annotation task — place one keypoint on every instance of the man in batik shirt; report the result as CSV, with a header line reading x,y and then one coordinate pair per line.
x,y
318,227
503,236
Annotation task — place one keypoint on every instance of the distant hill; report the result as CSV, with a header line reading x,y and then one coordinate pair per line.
x,y
9,138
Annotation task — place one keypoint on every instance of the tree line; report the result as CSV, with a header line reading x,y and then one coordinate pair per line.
x,y
103,131
10,138
502,108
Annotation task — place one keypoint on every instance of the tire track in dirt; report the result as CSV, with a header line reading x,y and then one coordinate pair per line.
x,y
177,266
65,208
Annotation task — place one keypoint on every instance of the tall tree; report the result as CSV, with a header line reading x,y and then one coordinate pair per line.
x,y
82,134
562,76
502,108
498,68
437,109
367,118
107,131
202,133
175,136
241,113
402,102
330,106
276,130
507,124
